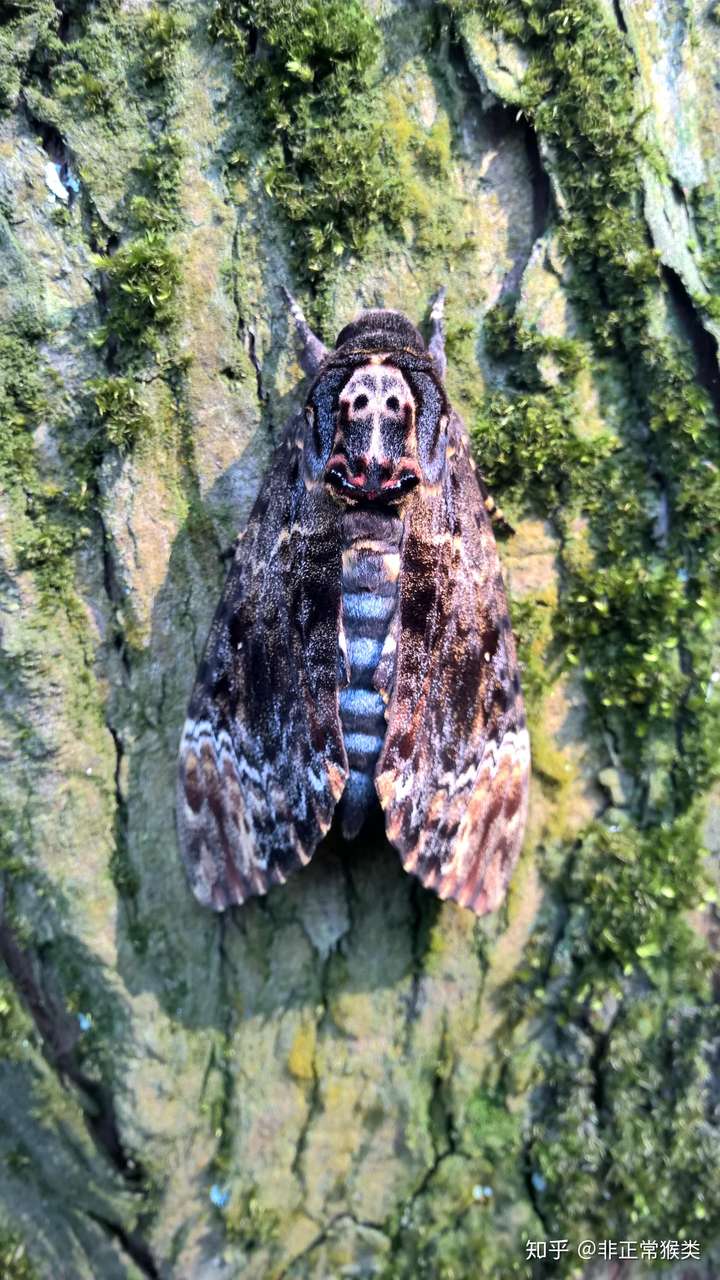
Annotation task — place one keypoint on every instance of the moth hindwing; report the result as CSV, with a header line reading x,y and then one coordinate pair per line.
x,y
361,651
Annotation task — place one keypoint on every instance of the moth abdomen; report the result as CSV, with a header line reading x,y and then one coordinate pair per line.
x,y
362,710
364,653
371,541
369,610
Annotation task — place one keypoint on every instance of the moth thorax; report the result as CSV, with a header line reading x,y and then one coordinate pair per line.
x,y
374,453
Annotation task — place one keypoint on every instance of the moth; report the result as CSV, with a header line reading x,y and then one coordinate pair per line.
x,y
361,653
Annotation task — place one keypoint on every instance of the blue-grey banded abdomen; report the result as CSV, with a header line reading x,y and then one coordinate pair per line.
x,y
369,597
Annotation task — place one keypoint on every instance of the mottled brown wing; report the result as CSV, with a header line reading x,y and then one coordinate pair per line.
x,y
262,761
453,773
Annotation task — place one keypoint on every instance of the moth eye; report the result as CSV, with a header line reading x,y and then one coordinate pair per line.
x,y
360,402
393,403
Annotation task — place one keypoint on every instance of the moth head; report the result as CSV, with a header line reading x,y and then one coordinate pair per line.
x,y
377,414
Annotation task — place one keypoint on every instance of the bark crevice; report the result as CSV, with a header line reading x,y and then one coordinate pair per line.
x,y
59,1036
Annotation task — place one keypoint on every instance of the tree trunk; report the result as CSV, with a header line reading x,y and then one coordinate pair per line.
x,y
348,1077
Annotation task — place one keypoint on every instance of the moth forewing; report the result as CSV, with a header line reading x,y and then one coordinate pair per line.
x,y
453,775
262,760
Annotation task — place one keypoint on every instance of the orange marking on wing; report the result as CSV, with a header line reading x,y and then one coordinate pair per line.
x,y
336,778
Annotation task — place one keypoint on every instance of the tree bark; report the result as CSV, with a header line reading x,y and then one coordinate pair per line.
x,y
349,1078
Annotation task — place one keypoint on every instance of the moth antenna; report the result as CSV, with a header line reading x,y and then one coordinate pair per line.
x,y
313,350
436,345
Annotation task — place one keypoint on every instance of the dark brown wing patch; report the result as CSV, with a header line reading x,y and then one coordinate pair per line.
x,y
453,773
262,762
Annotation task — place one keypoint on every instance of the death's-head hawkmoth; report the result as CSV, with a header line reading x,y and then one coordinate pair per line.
x,y
361,651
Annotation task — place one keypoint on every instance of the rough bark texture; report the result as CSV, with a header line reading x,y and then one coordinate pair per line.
x,y
349,1078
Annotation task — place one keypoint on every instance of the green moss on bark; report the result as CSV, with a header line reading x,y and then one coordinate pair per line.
x,y
617,972
50,513
14,1261
123,417
328,166
143,278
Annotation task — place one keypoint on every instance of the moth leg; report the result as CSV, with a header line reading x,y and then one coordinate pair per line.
x,y
343,659
385,670
496,514
313,350
436,345
228,553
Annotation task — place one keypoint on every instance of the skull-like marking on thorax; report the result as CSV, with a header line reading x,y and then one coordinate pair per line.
x,y
374,454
